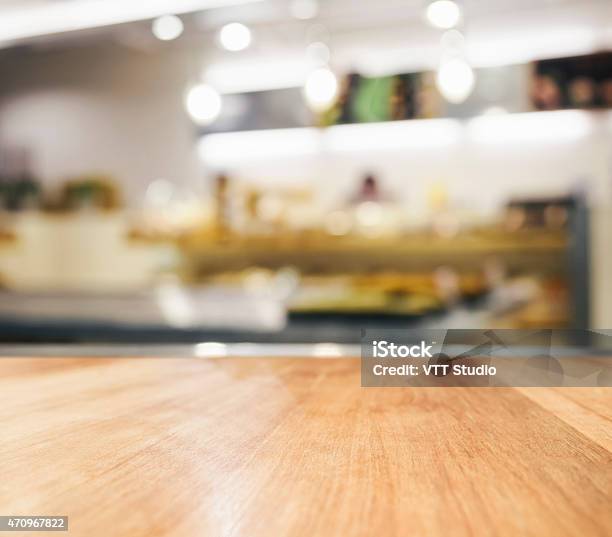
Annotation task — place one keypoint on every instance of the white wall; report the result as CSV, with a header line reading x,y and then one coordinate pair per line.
x,y
105,110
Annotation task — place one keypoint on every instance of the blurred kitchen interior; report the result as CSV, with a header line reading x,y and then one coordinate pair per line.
x,y
295,170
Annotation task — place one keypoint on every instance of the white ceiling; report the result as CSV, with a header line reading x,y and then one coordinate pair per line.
x,y
380,37
371,36
22,19
32,19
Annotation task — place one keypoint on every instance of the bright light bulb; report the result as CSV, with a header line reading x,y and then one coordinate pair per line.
x,y
203,104
455,80
320,89
443,13
235,37
167,28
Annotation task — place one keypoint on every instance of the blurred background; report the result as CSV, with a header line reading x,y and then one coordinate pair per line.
x,y
296,170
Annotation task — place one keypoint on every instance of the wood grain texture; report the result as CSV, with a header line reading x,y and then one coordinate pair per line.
x,y
295,447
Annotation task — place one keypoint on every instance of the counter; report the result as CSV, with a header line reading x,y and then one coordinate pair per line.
x,y
293,446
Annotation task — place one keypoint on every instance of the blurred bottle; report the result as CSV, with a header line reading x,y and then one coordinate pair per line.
x,y
605,90
402,102
343,109
222,219
346,98
445,222
371,99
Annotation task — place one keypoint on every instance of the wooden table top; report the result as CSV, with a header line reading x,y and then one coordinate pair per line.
x,y
271,447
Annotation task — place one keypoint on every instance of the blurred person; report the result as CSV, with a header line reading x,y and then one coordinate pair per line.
x,y
369,190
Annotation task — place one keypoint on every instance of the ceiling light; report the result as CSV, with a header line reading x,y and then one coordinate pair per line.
x,y
167,27
455,80
443,13
320,89
203,104
235,37
304,9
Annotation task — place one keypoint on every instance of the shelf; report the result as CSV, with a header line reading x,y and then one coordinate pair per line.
x,y
222,150
540,250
